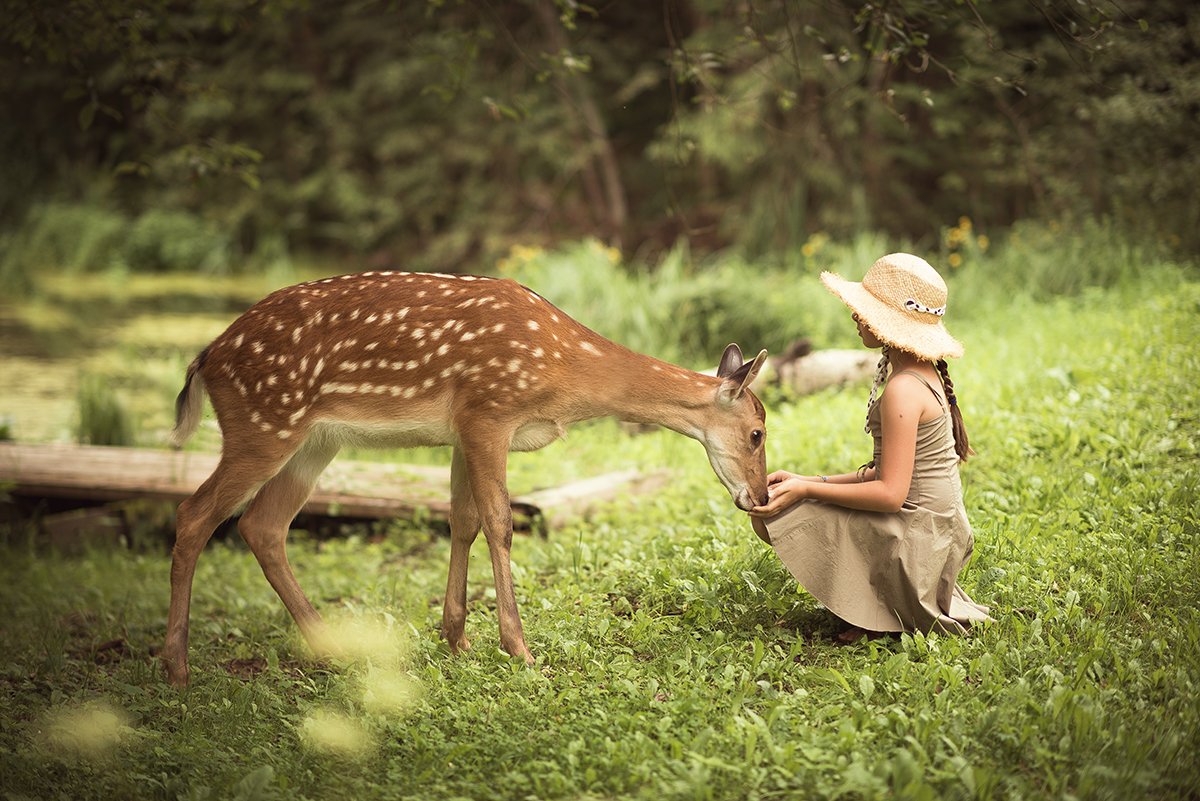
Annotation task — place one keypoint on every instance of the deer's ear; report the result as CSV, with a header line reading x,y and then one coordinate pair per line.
x,y
736,384
731,360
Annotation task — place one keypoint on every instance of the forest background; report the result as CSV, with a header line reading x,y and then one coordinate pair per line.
x,y
231,135
674,175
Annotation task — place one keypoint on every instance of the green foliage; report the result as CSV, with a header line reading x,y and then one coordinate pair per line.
x,y
677,658
162,240
103,418
435,135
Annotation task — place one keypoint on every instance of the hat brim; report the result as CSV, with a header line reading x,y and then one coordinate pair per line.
x,y
893,327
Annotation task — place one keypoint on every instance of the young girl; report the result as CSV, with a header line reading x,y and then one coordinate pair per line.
x,y
882,547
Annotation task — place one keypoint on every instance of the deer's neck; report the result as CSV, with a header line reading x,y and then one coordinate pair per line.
x,y
641,389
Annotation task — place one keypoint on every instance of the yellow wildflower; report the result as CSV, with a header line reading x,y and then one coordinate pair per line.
x,y
983,242
955,260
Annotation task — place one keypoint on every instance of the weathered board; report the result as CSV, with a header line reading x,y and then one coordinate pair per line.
x,y
347,489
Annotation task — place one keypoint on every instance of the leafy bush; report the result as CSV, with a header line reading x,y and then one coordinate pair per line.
x,y
62,236
164,240
103,418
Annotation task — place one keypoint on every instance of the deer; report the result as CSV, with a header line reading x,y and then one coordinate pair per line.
x,y
409,359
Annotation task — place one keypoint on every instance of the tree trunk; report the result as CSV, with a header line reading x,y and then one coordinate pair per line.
x,y
602,161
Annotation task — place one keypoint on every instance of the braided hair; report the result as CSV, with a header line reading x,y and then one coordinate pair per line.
x,y
961,445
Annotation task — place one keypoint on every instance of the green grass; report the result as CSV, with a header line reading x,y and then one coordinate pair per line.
x,y
676,657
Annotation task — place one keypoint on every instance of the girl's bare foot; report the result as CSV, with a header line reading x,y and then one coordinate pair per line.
x,y
850,635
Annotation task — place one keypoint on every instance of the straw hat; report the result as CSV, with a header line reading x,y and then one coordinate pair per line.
x,y
902,300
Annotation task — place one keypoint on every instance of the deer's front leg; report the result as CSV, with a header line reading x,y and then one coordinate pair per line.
x,y
464,527
486,467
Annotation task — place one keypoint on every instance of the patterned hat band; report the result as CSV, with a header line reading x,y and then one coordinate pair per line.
x,y
918,306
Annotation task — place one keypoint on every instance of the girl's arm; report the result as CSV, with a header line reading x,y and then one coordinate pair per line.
x,y
882,489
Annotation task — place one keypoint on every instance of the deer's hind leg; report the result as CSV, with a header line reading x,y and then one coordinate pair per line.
x,y
264,527
236,478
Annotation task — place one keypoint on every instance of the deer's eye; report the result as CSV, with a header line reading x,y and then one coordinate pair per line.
x,y
756,437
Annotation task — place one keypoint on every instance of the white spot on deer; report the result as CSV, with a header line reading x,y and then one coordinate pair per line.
x,y
533,326
320,365
264,426
425,359
422,293
257,346
255,417
590,348
522,384
427,383
354,314
296,415
497,328
304,364
513,366
278,326
237,343
371,318
371,346
418,333
443,349
435,334
296,334
556,355
348,366
554,317
285,399
410,365
283,434
272,380
538,353
292,375
400,315
466,337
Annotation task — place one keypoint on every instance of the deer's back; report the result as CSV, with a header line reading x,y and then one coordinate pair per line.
x,y
392,358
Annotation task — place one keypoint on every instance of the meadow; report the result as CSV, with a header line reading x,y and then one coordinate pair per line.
x,y
676,657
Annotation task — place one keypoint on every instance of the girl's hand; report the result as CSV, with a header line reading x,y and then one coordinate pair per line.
x,y
781,495
778,476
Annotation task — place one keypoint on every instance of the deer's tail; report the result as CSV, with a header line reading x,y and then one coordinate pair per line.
x,y
190,403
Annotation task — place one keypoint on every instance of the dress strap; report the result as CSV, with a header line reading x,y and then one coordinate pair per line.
x,y
928,386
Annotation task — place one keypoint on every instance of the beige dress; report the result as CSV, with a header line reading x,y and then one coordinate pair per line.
x,y
889,571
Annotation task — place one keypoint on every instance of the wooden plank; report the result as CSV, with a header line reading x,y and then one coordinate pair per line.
x,y
350,489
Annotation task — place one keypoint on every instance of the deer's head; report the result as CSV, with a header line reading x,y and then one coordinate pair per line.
x,y
735,436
